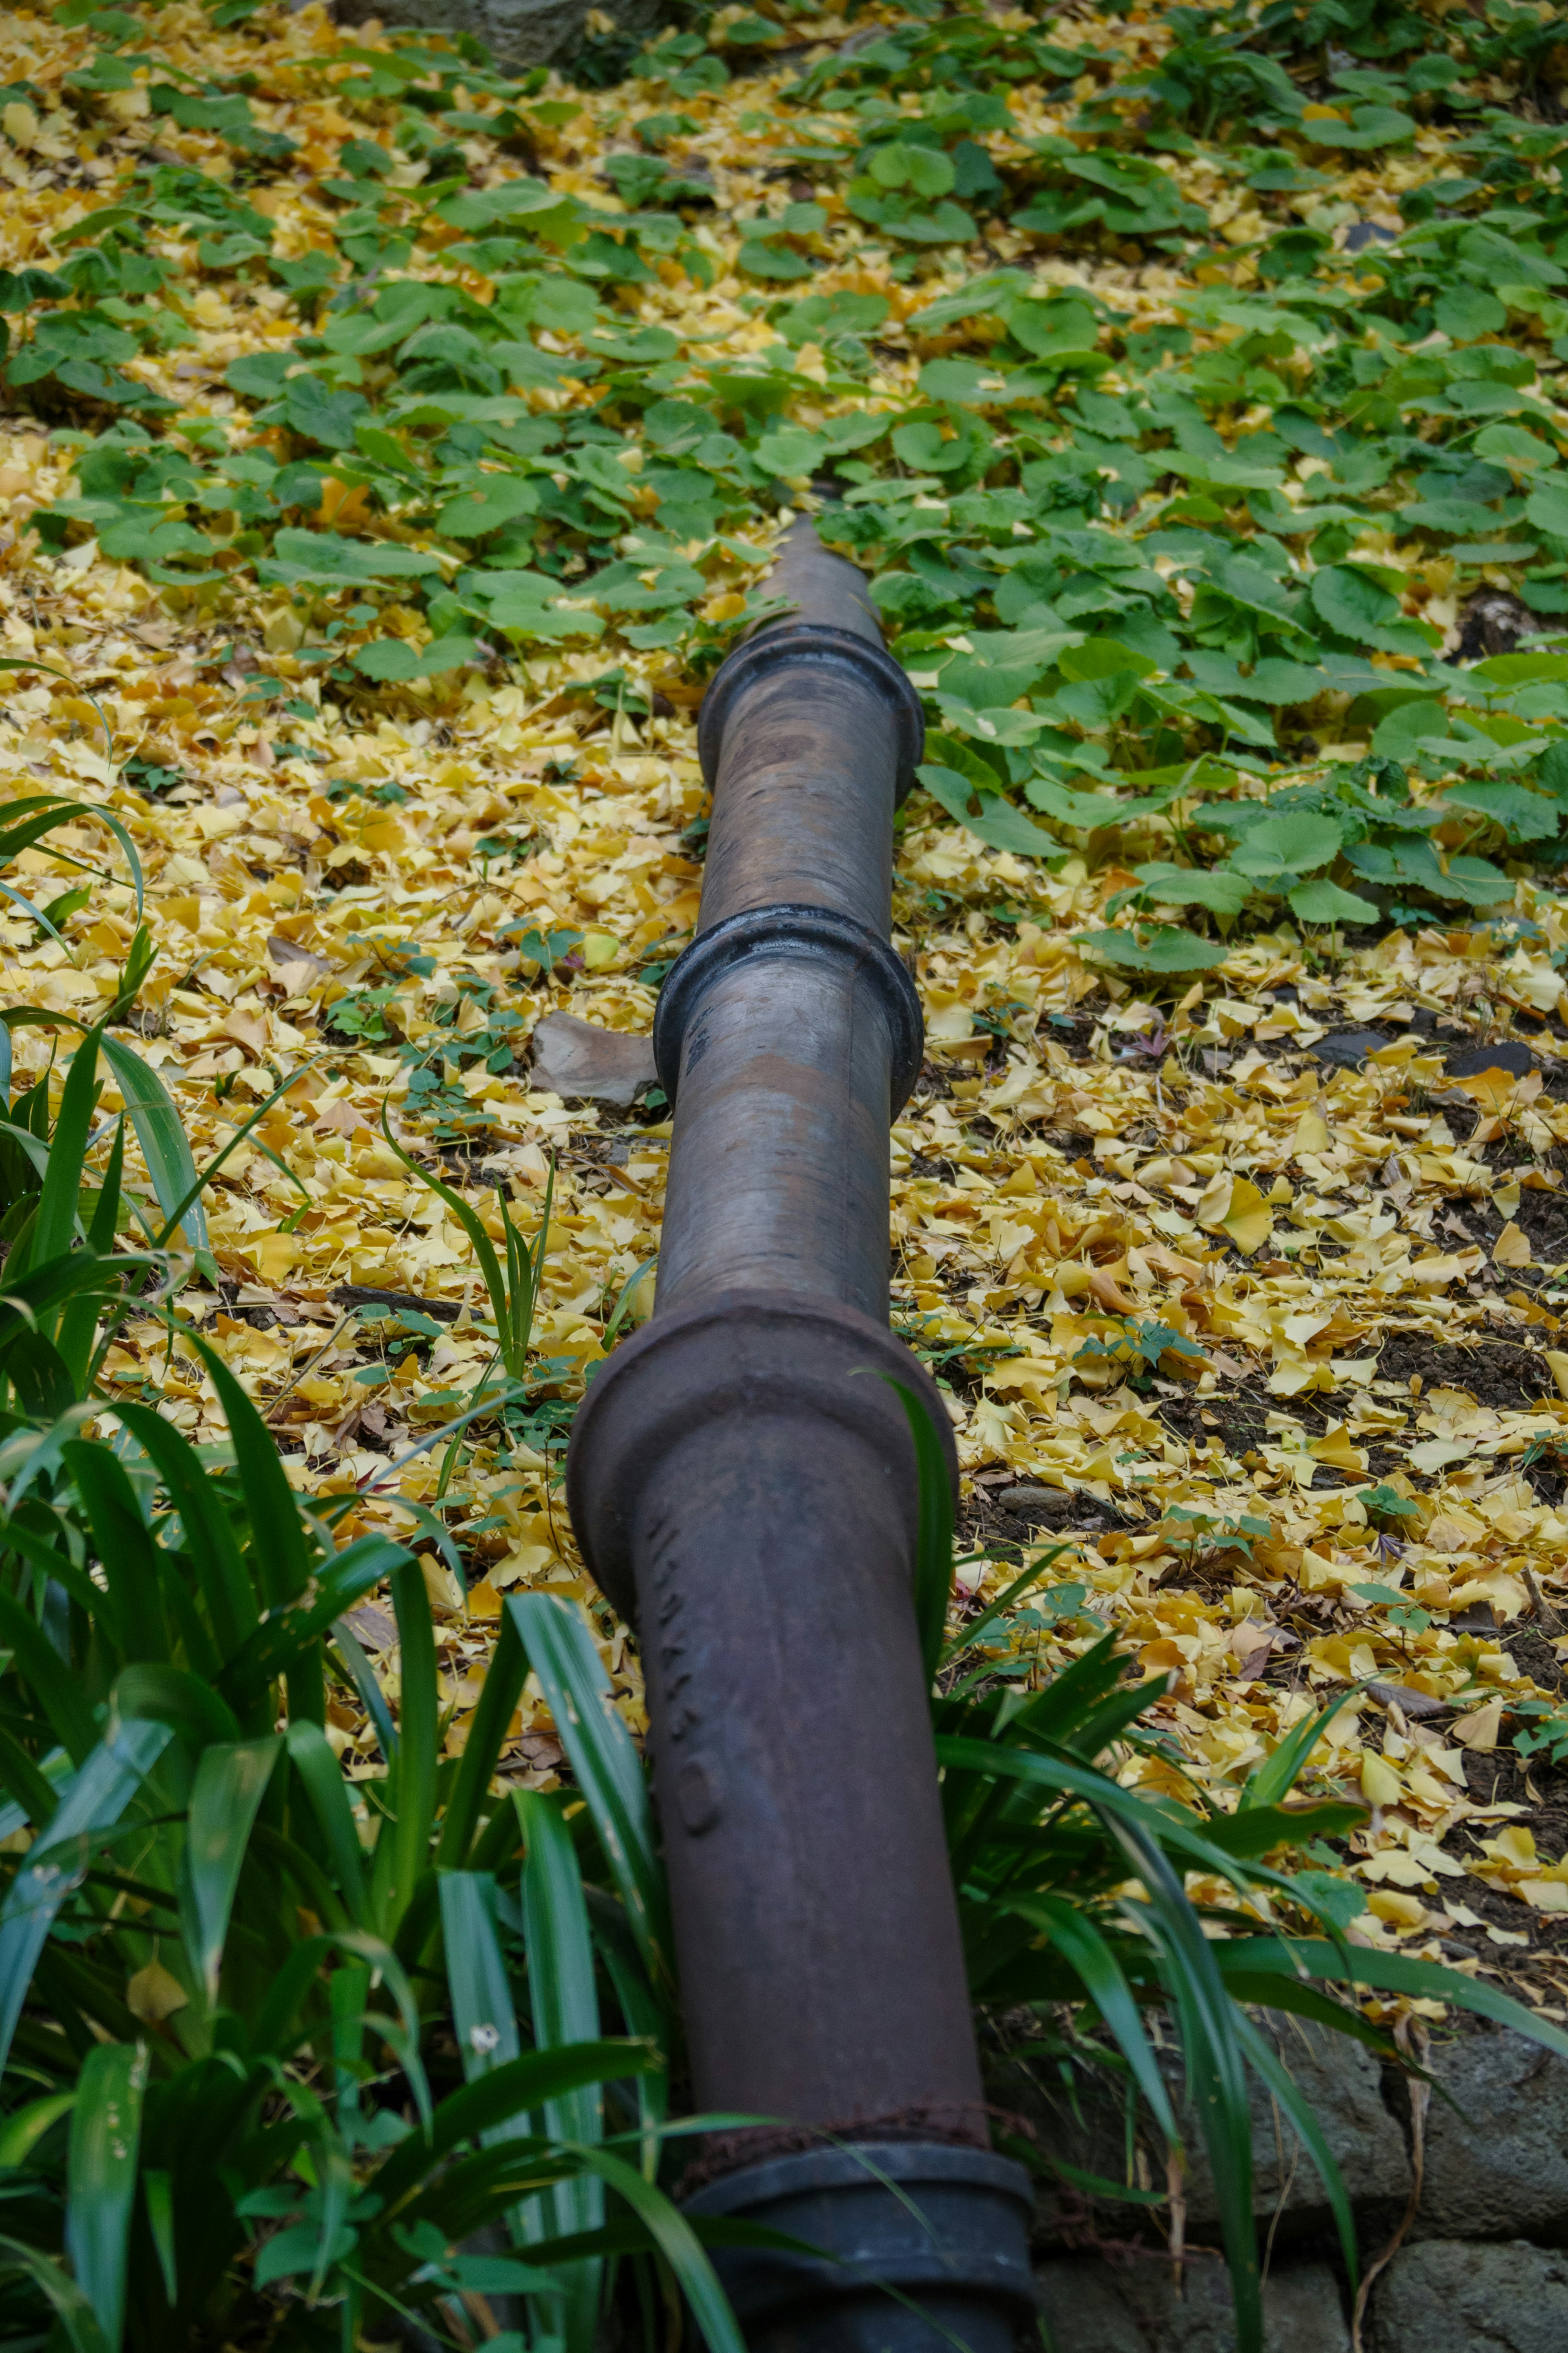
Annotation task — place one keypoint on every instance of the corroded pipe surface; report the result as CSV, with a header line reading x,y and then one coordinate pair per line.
x,y
743,1485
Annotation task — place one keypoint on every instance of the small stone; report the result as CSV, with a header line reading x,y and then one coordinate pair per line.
x,y
1410,1702
1493,622
1093,2306
516,32
1347,1050
1032,1505
1449,2298
585,1064
1507,1055
1340,2080
1497,2144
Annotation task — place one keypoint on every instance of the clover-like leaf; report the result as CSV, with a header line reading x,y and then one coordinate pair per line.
x,y
1292,843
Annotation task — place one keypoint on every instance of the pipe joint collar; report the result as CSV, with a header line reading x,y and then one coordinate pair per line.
x,y
791,931
813,645
913,2245
728,1359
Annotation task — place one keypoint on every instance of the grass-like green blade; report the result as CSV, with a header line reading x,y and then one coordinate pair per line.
x,y
276,1530
933,1541
160,1133
677,2242
321,1778
104,1221
174,1696
1285,2089
34,1790
565,2000
25,2127
1080,1943
277,1543
1274,1779
967,1636
1278,1956
30,819
158,2198
407,1840
180,1207
362,1674
209,1539
278,1643
56,1691
1118,1807
482,2014
125,1548
1263,1829
71,2309
348,1991
465,1216
523,2083
224,1797
1305,2002
607,1767
56,1225
504,1680
1216,2081
100,2178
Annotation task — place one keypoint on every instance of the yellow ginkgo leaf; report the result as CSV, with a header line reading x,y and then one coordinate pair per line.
x,y
1311,1133
1233,1206
154,1994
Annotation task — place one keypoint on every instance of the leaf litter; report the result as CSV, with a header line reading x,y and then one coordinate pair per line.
x,y
391,449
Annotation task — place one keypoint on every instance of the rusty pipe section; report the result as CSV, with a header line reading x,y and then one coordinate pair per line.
x,y
743,1489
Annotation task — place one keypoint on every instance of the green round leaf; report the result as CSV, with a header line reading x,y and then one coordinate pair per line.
x,y
1352,603
1291,844
1165,948
1321,901
1547,506
776,261
1194,886
1468,312
490,500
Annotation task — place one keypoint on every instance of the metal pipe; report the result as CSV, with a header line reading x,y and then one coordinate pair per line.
x,y
743,1487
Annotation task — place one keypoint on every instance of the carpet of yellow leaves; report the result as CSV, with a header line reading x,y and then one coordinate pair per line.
x,y
1356,1259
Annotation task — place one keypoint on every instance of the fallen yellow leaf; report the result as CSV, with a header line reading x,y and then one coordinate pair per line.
x,y
1233,1206
1311,1134
1479,1729
154,1994
1511,1248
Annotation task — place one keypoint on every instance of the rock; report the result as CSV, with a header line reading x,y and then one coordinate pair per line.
x,y
585,1064
1033,1504
1409,1701
1497,2146
516,32
1095,2306
1340,2080
1507,1055
1347,1050
1493,622
1448,2297
1496,2157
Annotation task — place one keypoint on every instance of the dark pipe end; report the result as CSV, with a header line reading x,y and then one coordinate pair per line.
x,y
924,2247
832,591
